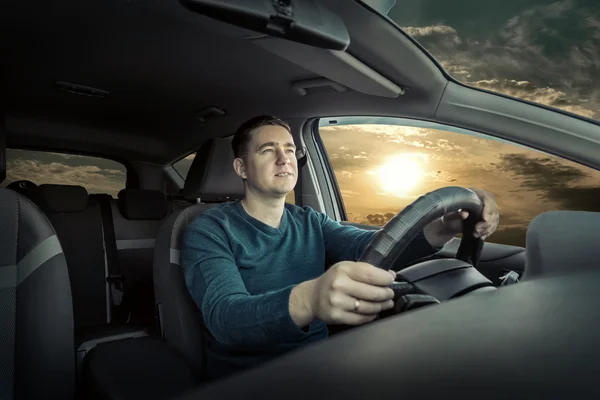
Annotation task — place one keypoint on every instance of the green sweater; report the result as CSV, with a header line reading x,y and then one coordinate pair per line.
x,y
240,272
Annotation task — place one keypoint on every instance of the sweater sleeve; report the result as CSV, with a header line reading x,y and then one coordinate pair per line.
x,y
233,316
348,242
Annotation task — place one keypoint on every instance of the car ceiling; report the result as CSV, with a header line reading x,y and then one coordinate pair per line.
x,y
161,63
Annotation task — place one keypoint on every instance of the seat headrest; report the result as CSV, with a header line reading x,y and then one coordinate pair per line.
x,y
142,204
562,241
62,198
211,175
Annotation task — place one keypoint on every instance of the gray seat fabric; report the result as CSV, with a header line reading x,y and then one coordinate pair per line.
x,y
561,241
142,368
37,357
77,219
137,216
211,177
78,223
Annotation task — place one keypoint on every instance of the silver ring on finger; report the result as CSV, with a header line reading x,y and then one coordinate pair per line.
x,y
356,305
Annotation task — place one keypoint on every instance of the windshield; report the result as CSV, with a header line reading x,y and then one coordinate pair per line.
x,y
544,51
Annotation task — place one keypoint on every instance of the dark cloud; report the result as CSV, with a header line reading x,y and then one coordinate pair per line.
x,y
513,236
554,180
540,173
547,52
576,198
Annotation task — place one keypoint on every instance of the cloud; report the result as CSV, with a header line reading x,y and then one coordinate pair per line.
x,y
93,178
429,30
549,54
349,193
540,173
568,187
527,91
512,236
576,198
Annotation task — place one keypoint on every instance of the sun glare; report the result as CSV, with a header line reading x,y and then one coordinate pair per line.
x,y
399,175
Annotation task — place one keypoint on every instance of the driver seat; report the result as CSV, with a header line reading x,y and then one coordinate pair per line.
x,y
211,181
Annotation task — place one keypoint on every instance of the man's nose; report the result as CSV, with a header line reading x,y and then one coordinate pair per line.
x,y
282,157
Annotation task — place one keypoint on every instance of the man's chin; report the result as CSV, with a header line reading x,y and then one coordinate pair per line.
x,y
282,192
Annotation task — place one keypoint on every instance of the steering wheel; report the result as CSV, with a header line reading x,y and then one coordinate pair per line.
x,y
435,280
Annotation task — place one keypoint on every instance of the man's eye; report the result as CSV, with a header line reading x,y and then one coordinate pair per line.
x,y
267,150
291,151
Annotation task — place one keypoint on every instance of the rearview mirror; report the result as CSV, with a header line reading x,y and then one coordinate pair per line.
x,y
304,21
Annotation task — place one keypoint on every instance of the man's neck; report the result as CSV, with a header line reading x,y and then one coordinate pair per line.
x,y
266,210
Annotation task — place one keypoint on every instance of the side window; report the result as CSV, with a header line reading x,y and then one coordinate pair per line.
x,y
385,164
183,167
97,175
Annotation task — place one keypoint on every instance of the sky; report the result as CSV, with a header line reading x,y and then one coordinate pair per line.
x,y
539,50
97,175
381,168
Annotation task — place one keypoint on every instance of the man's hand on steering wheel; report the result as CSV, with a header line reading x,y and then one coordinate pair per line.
x,y
349,293
440,231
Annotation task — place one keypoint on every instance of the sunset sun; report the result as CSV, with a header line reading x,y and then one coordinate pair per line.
x,y
400,174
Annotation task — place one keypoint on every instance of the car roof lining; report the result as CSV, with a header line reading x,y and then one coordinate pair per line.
x,y
160,70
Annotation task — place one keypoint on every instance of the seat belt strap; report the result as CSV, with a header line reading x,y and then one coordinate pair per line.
x,y
115,277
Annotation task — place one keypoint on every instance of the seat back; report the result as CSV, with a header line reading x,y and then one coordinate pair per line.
x,y
137,216
36,318
180,321
78,223
561,241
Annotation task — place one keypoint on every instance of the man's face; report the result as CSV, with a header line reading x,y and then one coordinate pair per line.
x,y
270,166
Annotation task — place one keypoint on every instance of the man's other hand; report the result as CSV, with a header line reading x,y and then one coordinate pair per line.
x,y
440,231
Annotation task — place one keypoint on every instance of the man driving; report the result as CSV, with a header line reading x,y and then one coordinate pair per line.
x,y
256,267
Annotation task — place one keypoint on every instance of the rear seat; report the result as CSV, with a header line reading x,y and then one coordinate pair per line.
x,y
78,224
137,216
77,219
144,367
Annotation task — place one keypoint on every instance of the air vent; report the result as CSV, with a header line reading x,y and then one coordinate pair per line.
x,y
81,90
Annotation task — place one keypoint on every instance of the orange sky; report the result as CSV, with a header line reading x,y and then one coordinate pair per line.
x,y
524,182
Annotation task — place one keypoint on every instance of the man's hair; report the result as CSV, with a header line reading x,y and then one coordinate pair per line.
x,y
242,136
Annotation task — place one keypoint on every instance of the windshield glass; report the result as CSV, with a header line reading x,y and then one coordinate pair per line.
x,y
544,51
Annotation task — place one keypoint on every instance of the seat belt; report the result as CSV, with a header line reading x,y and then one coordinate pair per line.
x,y
115,277
302,156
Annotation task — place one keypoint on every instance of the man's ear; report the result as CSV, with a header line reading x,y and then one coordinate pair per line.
x,y
239,167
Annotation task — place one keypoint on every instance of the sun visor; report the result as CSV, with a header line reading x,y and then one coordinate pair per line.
x,y
337,66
